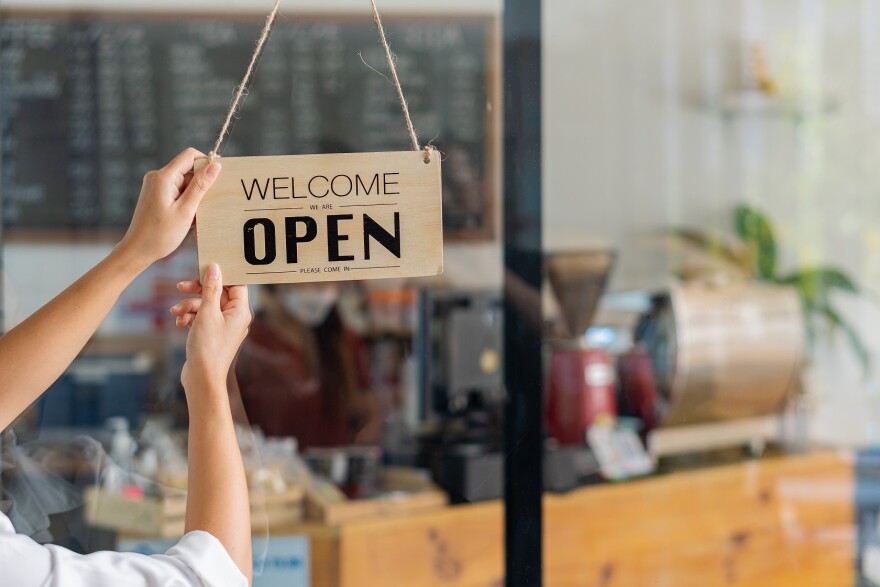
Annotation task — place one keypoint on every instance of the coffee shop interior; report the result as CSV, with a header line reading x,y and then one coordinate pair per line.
x,y
661,240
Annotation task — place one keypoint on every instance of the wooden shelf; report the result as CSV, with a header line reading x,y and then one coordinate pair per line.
x,y
775,522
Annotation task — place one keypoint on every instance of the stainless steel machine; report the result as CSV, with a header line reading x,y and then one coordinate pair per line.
x,y
725,359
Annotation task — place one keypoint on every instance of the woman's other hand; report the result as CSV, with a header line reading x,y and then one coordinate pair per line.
x,y
166,208
187,309
217,332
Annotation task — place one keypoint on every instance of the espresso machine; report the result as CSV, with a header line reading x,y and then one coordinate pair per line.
x,y
460,346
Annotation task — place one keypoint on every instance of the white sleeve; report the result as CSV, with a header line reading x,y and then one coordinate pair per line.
x,y
197,560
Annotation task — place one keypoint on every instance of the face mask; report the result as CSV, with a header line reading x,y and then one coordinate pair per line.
x,y
309,305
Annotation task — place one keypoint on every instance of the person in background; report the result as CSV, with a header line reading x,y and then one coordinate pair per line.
x,y
302,372
216,550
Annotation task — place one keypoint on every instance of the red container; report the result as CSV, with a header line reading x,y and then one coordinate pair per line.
x,y
637,388
580,390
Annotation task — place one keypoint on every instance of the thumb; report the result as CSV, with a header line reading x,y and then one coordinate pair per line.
x,y
212,288
198,187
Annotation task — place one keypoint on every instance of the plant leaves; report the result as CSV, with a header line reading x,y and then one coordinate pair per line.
x,y
755,230
813,292
718,246
822,277
855,342
814,286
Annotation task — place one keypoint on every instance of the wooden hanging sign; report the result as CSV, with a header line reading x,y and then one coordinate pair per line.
x,y
332,217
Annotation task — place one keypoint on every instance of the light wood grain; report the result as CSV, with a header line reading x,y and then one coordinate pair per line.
x,y
404,491
777,522
738,525
165,517
378,185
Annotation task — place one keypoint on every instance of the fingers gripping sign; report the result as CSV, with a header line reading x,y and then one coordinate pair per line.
x,y
167,207
187,309
211,291
219,325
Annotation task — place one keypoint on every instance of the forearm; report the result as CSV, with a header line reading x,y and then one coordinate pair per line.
x,y
236,403
37,351
218,496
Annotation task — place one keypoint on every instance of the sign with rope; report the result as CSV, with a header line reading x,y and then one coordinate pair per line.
x,y
324,217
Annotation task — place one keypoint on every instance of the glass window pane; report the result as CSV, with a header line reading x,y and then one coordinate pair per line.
x,y
368,413
715,152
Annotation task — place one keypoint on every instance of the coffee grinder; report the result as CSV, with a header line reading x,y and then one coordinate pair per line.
x,y
581,383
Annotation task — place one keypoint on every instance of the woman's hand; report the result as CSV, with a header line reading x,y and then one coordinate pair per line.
x,y
217,332
166,208
187,309
60,329
218,494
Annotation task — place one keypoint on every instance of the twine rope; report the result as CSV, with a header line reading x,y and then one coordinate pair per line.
x,y
233,108
393,67
241,91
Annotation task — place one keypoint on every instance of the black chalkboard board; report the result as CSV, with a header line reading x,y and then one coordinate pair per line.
x,y
88,104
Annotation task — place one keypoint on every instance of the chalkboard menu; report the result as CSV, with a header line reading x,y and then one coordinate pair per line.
x,y
88,104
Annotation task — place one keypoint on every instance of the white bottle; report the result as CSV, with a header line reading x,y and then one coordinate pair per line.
x,y
122,449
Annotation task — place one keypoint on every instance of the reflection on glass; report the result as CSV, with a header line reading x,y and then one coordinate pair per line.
x,y
304,372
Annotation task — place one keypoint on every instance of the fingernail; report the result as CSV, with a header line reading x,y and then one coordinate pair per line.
x,y
213,271
174,309
212,170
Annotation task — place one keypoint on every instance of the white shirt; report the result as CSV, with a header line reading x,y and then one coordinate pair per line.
x,y
198,560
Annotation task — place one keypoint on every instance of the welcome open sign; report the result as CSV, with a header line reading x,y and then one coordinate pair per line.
x,y
297,218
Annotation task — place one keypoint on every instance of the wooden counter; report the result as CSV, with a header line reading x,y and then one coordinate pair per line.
x,y
775,522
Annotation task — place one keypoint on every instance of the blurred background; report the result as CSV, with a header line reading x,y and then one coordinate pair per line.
x,y
707,323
